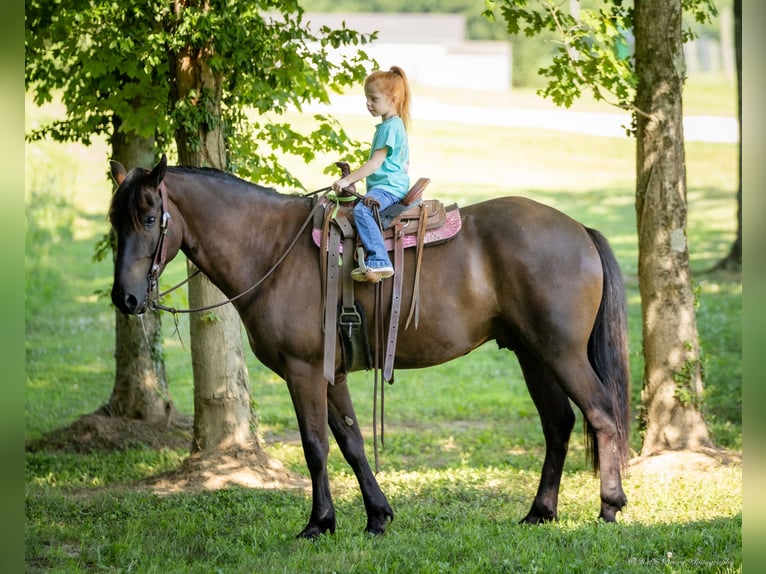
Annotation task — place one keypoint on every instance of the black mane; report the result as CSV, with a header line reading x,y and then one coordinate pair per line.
x,y
128,202
221,175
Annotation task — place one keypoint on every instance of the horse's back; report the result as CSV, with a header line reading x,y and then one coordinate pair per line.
x,y
516,272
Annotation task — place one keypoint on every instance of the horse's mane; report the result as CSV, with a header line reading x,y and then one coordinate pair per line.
x,y
128,203
222,175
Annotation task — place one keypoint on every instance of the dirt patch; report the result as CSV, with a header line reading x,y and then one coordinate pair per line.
x,y
249,467
684,461
98,432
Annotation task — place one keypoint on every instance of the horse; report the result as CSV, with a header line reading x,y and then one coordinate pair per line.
x,y
519,273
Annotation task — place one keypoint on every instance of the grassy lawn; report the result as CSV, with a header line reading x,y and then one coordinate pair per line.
x,y
463,442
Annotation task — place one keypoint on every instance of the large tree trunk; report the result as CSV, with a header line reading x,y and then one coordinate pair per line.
x,y
222,413
672,390
140,385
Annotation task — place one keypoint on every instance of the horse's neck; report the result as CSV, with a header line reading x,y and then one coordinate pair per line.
x,y
230,234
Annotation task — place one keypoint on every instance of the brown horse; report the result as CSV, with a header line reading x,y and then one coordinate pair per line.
x,y
519,273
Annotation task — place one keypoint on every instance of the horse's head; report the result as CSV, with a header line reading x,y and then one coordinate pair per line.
x,y
140,220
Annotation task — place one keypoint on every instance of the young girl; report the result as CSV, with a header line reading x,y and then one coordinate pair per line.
x,y
388,97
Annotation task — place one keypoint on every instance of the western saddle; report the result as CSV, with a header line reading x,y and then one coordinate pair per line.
x,y
413,222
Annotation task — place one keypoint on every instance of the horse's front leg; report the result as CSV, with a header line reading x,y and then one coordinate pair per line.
x,y
308,390
345,428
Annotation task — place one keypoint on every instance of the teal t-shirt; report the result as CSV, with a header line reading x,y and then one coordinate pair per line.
x,y
392,175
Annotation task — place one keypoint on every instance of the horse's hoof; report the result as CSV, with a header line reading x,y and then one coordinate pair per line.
x,y
608,513
310,533
377,526
314,531
538,518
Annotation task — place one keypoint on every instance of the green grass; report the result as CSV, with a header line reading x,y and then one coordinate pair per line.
x,y
448,522
463,442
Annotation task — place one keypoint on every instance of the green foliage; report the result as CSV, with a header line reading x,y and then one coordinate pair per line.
x,y
104,60
49,221
593,52
589,55
110,62
685,392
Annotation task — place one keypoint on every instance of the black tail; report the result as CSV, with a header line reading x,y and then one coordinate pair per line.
x,y
608,349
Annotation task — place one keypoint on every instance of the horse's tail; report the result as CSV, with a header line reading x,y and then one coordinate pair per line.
x,y
608,350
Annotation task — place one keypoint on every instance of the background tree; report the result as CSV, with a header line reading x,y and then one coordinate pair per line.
x,y
105,93
115,67
672,392
140,385
224,60
222,414
651,87
733,260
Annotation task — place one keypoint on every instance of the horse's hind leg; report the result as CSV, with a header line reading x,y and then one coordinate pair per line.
x,y
583,386
345,428
557,421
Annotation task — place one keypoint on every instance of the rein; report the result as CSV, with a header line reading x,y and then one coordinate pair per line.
x,y
160,256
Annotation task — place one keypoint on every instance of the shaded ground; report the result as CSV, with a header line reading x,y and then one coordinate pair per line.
x,y
251,467
101,433
241,466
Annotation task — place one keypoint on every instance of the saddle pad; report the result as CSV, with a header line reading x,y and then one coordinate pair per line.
x,y
447,231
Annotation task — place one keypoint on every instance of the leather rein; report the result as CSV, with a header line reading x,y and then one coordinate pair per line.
x,y
160,259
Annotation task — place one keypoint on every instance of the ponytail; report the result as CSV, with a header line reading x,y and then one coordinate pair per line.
x,y
394,84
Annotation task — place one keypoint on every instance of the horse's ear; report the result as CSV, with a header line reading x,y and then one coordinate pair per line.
x,y
118,172
158,172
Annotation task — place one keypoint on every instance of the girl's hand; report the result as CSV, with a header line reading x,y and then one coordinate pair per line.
x,y
340,184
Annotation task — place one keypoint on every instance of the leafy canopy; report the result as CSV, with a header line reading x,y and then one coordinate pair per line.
x,y
109,62
593,45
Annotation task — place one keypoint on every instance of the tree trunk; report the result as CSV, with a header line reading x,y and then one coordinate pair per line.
x,y
222,413
140,386
672,390
733,261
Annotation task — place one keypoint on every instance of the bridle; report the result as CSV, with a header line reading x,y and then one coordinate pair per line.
x,y
161,250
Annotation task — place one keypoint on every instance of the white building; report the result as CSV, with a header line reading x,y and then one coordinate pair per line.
x,y
431,48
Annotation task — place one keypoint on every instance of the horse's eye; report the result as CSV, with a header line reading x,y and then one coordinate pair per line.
x,y
149,220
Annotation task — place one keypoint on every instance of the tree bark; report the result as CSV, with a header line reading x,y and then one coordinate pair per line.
x,y
140,386
672,391
222,414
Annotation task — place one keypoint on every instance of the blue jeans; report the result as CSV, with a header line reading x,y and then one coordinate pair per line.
x,y
376,255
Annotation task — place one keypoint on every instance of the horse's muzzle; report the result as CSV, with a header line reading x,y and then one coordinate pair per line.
x,y
127,302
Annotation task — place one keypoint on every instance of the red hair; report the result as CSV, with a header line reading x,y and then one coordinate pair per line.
x,y
394,84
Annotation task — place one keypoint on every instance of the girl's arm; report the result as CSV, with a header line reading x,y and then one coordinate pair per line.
x,y
370,166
